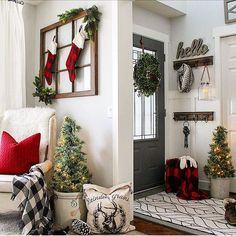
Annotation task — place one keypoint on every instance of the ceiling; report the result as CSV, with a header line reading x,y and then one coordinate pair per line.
x,y
164,8
157,6
33,2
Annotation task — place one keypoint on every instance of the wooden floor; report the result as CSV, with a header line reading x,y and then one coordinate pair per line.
x,y
150,228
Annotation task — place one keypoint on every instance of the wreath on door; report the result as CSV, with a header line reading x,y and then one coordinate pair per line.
x,y
146,75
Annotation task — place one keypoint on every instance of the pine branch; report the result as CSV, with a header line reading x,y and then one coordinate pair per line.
x,y
45,95
92,19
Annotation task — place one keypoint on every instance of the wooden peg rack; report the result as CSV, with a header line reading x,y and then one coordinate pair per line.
x,y
194,116
195,62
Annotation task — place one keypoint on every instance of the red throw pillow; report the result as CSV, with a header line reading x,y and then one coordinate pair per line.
x,y
17,158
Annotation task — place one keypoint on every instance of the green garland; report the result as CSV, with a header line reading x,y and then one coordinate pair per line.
x,y
64,17
91,19
44,94
146,75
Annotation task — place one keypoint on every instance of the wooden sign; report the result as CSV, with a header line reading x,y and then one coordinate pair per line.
x,y
197,48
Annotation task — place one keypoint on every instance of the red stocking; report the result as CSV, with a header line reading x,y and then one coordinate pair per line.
x,y
50,61
77,46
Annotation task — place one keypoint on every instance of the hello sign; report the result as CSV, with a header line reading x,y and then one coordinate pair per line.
x,y
197,48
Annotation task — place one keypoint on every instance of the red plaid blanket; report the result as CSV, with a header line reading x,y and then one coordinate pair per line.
x,y
183,182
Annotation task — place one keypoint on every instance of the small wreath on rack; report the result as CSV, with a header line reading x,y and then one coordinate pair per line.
x,y
146,75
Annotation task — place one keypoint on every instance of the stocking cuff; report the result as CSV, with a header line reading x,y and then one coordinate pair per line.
x,y
53,48
79,40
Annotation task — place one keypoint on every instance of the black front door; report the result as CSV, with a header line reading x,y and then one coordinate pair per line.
x,y
149,125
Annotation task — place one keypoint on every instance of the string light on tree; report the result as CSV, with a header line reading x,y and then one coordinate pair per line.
x,y
71,170
219,163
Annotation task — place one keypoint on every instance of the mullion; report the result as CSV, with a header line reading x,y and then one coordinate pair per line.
x,y
143,116
76,67
42,61
56,65
59,48
157,115
134,114
154,115
73,35
151,113
64,46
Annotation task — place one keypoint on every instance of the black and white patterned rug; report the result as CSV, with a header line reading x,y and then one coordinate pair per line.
x,y
205,216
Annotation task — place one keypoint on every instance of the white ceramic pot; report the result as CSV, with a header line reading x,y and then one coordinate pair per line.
x,y
68,206
220,187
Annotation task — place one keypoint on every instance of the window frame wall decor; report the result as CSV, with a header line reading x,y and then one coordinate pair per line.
x,y
227,11
93,58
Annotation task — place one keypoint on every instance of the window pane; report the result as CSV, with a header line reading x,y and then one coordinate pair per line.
x,y
149,117
137,116
83,79
144,108
64,84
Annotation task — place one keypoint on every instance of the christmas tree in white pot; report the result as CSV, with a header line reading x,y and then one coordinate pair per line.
x,y
219,166
70,173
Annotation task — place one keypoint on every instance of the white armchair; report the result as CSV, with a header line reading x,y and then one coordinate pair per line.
x,y
21,124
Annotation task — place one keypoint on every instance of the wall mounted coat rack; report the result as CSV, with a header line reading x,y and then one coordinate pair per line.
x,y
194,116
195,62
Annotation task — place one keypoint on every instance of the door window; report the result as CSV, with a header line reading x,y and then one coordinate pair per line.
x,y
145,108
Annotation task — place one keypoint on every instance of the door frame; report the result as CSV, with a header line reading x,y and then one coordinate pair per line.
x,y
165,38
219,33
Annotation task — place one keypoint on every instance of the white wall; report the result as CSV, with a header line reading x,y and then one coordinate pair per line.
x,y
29,12
89,112
107,152
200,19
122,92
151,20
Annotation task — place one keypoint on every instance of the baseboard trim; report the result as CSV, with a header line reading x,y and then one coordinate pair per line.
x,y
204,185
233,185
149,191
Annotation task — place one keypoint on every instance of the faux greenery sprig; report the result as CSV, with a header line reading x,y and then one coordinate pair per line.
x,y
146,75
69,14
44,94
91,19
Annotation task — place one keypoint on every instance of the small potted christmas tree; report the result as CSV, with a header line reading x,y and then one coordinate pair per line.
x,y
219,166
70,173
